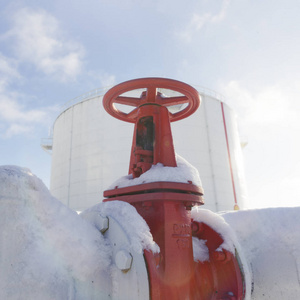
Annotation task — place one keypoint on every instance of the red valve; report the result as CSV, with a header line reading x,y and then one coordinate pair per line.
x,y
114,95
152,140
165,206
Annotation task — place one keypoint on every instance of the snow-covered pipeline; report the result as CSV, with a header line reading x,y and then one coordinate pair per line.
x,y
47,251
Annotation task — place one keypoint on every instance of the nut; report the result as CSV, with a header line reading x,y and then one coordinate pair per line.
x,y
123,260
102,223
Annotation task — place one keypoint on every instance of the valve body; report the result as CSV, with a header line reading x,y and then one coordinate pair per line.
x,y
166,206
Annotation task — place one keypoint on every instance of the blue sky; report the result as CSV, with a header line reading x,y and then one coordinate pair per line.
x,y
249,51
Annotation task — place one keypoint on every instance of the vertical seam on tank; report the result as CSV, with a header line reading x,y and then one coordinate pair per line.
x,y
70,156
210,154
228,153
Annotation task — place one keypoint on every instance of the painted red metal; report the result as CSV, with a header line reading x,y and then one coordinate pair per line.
x,y
220,277
165,206
152,140
236,207
151,96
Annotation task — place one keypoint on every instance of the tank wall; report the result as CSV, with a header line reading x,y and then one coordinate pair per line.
x,y
201,139
91,150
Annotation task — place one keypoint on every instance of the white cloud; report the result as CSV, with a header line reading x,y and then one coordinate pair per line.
x,y
107,80
222,14
281,192
8,71
11,111
269,119
271,105
16,119
8,67
38,39
16,129
197,22
13,119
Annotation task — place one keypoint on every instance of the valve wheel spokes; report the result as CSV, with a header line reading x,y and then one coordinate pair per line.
x,y
189,96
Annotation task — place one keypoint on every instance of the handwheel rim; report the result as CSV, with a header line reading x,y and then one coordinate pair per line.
x,y
190,96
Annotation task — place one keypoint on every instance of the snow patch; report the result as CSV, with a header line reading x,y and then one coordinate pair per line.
x,y
47,250
218,224
270,243
200,250
184,172
133,224
231,242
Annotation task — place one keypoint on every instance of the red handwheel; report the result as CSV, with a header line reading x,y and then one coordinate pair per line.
x,y
151,96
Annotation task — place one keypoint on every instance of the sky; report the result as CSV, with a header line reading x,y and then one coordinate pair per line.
x,y
248,51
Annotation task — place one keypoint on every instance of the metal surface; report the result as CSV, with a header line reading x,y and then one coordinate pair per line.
x,y
202,140
220,277
151,96
130,275
166,208
128,272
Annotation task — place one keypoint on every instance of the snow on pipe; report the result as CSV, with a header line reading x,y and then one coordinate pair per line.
x,y
50,252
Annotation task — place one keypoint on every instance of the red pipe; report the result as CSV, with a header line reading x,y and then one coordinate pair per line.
x,y
229,157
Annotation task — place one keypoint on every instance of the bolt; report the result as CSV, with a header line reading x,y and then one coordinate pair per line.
x,y
223,256
102,223
197,228
123,260
219,256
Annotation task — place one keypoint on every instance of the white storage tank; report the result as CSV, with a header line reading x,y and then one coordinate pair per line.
x,y
91,150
